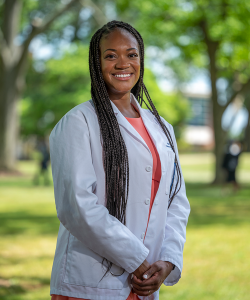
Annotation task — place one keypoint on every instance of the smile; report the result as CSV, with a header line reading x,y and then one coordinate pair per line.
x,y
123,76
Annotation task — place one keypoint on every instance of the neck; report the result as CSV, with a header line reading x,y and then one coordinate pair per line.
x,y
122,102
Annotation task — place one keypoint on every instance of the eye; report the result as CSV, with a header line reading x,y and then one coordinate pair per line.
x,y
110,56
133,55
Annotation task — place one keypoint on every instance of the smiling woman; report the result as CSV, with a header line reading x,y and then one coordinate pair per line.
x,y
119,192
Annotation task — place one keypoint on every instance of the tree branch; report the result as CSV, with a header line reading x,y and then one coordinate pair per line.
x,y
99,16
244,88
2,41
224,9
39,26
11,16
57,14
5,52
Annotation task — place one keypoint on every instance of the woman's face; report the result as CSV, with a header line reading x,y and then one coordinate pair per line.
x,y
120,62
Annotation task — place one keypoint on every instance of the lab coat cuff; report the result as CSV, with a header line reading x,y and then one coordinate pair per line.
x,y
139,260
175,274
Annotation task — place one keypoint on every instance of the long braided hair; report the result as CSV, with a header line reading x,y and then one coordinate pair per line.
x,y
115,156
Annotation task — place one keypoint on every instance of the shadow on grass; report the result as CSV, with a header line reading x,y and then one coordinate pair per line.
x,y
215,205
23,182
21,222
209,205
10,291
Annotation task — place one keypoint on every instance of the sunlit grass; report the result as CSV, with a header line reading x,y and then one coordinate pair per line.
x,y
216,253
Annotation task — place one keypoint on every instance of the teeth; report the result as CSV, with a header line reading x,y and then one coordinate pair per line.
x,y
122,75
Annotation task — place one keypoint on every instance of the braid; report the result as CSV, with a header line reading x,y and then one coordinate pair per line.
x,y
115,156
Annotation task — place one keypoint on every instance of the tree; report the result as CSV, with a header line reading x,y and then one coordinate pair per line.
x,y
15,37
52,92
64,83
208,34
173,107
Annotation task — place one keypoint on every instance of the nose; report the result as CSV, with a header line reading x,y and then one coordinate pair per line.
x,y
122,63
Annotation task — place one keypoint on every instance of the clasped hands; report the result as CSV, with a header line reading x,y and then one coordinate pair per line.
x,y
148,278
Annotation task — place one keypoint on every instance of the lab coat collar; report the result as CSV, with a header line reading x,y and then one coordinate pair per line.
x,y
122,121
147,118
142,113
135,103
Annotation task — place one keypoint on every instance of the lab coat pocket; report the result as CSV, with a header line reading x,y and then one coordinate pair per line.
x,y
84,267
170,171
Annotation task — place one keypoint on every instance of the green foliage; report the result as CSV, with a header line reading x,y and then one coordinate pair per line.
x,y
50,94
65,83
181,24
173,107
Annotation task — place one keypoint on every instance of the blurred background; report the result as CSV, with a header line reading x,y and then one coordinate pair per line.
x,y
198,76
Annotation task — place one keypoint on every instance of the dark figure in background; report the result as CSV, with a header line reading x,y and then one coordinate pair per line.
x,y
43,149
230,163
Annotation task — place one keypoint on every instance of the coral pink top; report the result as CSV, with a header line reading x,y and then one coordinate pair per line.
x,y
139,126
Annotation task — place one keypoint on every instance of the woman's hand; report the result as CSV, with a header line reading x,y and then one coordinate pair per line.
x,y
152,278
145,266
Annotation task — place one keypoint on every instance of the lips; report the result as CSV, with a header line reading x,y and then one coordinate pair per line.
x,y
122,76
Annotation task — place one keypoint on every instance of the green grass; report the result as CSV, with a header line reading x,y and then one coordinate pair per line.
x,y
216,255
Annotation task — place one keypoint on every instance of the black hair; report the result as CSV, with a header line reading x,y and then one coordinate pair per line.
x,y
115,156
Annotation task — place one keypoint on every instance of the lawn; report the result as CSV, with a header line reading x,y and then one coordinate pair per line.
x,y
216,256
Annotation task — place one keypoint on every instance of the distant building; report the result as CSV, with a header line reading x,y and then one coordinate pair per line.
x,y
199,130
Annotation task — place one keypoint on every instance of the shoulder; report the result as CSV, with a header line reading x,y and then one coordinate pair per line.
x,y
76,118
83,111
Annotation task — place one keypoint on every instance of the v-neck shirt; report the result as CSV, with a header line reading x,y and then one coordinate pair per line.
x,y
139,126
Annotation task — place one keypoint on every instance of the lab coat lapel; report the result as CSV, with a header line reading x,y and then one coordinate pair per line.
x,y
122,121
150,123
155,131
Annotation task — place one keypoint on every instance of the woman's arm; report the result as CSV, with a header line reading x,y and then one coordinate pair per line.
x,y
77,206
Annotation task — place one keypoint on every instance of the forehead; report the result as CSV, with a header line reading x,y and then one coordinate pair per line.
x,y
117,39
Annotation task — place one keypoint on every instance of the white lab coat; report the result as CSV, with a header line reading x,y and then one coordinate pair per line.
x,y
87,232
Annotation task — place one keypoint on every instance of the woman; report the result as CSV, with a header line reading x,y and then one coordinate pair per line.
x,y
119,192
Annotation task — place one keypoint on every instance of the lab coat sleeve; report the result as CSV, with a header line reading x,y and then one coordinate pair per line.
x,y
77,206
175,228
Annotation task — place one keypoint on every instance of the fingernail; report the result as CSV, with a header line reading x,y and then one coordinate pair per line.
x,y
145,276
132,276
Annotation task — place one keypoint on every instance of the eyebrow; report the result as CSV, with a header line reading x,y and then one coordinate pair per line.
x,y
116,50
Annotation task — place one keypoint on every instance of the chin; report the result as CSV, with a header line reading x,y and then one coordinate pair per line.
x,y
123,89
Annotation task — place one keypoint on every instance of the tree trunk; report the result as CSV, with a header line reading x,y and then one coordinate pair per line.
x,y
13,61
220,140
10,86
247,130
219,133
8,128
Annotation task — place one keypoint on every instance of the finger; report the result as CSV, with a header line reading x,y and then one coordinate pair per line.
x,y
154,268
136,281
143,293
144,288
155,279
152,283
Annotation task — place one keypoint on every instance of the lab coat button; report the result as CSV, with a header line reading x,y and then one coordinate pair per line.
x,y
148,168
142,235
147,201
